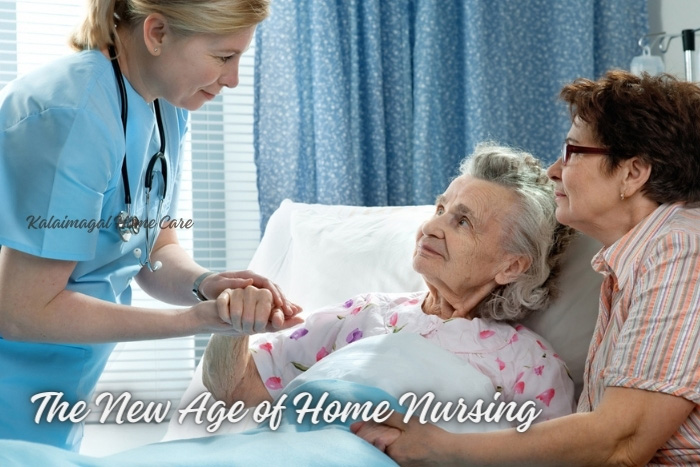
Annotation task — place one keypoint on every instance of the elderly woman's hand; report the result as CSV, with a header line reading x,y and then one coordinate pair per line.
x,y
411,443
215,284
243,311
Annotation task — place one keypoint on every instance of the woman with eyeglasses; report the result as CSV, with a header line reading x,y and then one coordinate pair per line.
x,y
629,176
90,157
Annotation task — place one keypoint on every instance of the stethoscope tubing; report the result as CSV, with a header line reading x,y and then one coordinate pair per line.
x,y
128,224
160,155
124,105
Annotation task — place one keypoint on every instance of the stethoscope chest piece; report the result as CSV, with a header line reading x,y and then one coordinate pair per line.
x,y
127,225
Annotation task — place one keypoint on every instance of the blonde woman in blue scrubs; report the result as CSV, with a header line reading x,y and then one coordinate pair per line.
x,y
84,141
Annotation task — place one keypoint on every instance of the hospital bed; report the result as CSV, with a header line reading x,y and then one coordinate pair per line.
x,y
321,255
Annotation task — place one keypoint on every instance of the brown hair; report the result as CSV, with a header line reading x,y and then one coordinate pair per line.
x,y
185,17
656,118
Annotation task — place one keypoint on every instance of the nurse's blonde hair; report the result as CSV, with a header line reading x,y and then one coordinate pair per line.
x,y
185,17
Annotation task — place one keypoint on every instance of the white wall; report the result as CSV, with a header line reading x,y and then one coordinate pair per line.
x,y
672,16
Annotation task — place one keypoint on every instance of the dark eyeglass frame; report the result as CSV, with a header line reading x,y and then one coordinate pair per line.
x,y
568,149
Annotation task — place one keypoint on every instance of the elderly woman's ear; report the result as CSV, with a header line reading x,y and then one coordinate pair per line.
x,y
513,267
634,174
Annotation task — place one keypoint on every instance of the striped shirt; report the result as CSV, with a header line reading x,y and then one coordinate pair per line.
x,y
648,331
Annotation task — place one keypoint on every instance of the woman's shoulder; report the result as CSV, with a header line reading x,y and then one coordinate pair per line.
x,y
381,303
667,220
391,299
526,334
684,218
674,232
501,334
73,82
407,301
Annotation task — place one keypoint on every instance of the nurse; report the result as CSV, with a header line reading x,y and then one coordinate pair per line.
x,y
90,157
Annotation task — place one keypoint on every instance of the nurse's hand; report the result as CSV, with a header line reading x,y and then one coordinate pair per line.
x,y
215,284
248,311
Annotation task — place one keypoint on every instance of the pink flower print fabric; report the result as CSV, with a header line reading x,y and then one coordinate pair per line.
x,y
273,383
547,396
518,362
355,335
321,353
299,333
393,319
501,364
519,387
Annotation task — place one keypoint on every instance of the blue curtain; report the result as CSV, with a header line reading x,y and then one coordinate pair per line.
x,y
375,102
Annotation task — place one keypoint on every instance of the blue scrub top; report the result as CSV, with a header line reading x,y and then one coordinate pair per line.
x,y
61,150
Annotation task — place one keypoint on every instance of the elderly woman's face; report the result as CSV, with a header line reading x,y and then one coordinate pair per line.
x,y
459,250
586,196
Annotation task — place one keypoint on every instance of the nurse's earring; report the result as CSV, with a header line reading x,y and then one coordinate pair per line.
x,y
155,51
622,196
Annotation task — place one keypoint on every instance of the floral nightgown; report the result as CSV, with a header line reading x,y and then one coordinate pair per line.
x,y
519,363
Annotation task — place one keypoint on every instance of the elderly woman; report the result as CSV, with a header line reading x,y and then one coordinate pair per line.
x,y
629,175
487,256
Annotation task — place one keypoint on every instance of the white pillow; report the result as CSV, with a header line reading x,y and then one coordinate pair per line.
x,y
568,321
337,255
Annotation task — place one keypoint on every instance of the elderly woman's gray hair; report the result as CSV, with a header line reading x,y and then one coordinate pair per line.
x,y
532,230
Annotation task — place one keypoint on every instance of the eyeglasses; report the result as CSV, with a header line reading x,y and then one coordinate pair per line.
x,y
568,149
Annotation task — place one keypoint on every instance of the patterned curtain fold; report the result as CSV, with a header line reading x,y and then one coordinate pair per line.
x,y
375,102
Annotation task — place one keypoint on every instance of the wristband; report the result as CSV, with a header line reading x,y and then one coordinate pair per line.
x,y
195,286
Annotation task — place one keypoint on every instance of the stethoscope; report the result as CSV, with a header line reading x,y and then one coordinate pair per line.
x,y
126,223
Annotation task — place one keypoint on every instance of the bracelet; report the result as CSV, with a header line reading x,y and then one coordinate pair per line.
x,y
195,286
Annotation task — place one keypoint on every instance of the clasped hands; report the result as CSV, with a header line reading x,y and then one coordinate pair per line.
x,y
246,303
